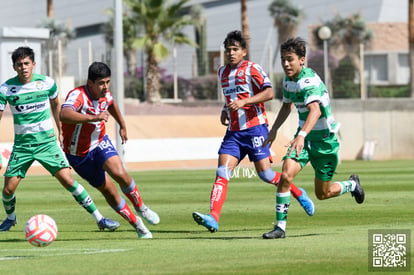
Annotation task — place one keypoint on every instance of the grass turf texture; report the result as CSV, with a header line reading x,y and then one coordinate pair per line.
x,y
334,241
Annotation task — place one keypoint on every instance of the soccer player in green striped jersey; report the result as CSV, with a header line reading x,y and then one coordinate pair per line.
x,y
34,103
315,140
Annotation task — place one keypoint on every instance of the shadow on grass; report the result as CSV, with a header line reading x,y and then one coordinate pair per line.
x,y
13,241
201,235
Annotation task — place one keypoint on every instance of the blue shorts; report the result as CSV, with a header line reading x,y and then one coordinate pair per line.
x,y
90,167
246,142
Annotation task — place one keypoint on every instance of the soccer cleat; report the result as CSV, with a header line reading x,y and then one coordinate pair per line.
x,y
109,224
142,230
207,221
276,233
306,203
358,193
7,224
149,215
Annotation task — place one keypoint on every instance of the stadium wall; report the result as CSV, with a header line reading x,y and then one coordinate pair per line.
x,y
378,129
371,129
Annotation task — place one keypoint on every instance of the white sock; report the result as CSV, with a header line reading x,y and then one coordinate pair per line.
x,y
97,215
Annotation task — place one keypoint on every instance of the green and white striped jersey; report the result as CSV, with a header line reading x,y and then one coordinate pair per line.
x,y
30,106
307,88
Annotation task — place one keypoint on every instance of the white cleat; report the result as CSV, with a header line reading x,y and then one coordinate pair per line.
x,y
142,230
150,216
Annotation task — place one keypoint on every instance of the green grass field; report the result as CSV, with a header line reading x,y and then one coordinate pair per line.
x,y
334,241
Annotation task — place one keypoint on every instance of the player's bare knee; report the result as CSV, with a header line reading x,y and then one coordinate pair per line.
x,y
286,179
7,191
322,195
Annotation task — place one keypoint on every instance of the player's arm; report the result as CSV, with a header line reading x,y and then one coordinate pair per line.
x,y
224,116
55,106
70,116
313,116
299,141
265,95
116,113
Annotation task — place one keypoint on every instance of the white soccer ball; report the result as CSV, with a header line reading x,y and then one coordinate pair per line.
x,y
40,230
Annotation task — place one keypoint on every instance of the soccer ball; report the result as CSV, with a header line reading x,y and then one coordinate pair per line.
x,y
40,230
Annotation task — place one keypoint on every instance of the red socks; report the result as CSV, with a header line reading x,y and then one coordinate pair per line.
x,y
126,213
218,196
296,192
134,196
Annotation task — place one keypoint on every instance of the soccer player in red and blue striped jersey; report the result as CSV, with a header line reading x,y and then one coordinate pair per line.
x,y
246,87
90,151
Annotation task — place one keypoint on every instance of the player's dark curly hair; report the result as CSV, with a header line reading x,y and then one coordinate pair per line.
x,y
98,70
233,38
296,45
22,52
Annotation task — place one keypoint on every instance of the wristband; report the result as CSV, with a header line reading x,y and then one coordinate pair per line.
x,y
302,133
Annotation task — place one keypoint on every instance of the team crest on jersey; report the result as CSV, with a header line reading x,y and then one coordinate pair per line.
x,y
240,77
39,85
102,106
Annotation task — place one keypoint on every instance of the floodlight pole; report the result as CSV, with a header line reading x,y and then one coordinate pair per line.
x,y
325,33
119,79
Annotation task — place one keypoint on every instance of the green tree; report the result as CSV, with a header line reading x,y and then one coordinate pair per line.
x,y
347,35
162,21
200,34
287,17
130,32
59,33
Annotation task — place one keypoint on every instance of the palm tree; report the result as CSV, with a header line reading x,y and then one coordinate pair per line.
x,y
287,18
200,34
347,35
59,33
49,8
130,32
160,19
245,25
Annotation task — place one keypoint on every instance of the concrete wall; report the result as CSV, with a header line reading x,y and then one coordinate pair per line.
x,y
385,123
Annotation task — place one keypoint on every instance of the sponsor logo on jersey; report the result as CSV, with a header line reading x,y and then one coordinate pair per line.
x,y
15,98
28,107
235,90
